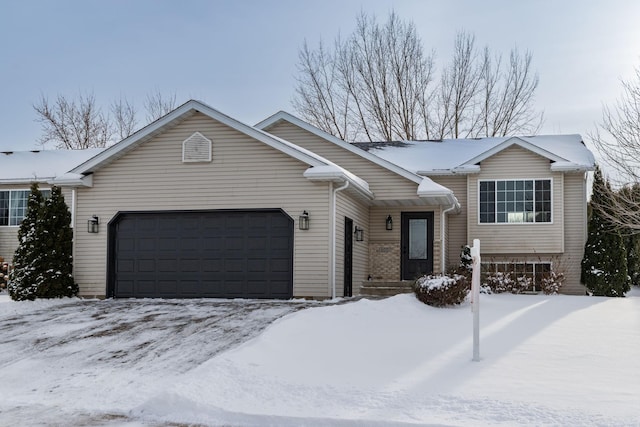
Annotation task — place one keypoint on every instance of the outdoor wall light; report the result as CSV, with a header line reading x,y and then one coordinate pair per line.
x,y
389,223
93,224
303,221
359,234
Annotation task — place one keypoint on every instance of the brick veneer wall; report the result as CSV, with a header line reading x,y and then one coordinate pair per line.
x,y
384,260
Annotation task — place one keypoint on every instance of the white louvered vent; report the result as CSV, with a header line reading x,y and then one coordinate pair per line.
x,y
196,148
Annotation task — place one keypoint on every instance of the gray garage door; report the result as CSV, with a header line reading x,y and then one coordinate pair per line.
x,y
194,254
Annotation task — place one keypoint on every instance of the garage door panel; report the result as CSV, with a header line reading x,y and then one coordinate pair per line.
x,y
125,244
212,266
231,254
147,265
167,243
147,244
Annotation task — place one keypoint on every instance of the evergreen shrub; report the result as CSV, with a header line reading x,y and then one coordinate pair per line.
x,y
442,291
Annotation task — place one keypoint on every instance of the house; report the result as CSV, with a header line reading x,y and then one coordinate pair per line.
x,y
198,204
18,169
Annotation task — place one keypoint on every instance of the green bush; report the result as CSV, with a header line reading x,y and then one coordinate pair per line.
x,y
442,291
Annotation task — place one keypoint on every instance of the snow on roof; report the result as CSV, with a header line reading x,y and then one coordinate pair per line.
x,y
27,166
460,155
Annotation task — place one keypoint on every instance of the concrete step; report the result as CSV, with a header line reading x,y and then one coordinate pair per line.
x,y
385,288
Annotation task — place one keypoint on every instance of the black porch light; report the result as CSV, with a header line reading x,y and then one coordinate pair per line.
x,y
303,221
389,223
93,224
359,234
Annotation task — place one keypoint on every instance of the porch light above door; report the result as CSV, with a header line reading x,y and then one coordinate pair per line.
x,y
303,221
389,223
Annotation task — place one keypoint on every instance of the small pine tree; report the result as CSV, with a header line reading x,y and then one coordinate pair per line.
x,y
604,266
26,260
56,278
630,195
632,245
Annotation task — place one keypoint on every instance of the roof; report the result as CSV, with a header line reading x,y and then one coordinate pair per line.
x,y
191,107
427,188
450,156
50,166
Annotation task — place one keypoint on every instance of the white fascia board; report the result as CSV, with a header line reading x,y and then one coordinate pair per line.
x,y
570,167
337,174
508,143
283,115
186,108
441,195
458,170
72,180
12,181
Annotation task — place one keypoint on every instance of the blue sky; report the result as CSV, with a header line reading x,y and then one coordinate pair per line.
x,y
240,56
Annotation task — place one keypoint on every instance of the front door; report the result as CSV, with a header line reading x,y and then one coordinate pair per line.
x,y
417,244
348,257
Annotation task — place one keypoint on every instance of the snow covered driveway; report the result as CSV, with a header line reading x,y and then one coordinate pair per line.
x,y
545,361
112,352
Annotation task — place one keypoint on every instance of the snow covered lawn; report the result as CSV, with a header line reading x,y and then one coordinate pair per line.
x,y
546,360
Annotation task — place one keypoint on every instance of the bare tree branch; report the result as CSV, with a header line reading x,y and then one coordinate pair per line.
x,y
378,84
124,118
71,124
157,105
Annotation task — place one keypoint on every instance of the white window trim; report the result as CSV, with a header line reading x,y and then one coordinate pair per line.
x,y
28,190
496,201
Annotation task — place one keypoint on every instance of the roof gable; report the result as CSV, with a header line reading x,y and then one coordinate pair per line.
x,y
192,107
284,116
510,142
183,112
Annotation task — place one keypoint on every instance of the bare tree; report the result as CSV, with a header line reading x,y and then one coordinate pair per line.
x,y
371,86
508,97
379,84
73,124
319,96
124,118
157,105
617,140
459,87
80,123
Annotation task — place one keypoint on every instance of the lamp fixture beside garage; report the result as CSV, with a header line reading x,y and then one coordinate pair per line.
x,y
303,221
93,224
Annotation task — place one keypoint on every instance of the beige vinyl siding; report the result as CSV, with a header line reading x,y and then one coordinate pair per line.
x,y
346,206
386,185
455,223
517,163
575,220
243,174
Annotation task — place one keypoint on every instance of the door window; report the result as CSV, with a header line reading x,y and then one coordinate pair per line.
x,y
418,239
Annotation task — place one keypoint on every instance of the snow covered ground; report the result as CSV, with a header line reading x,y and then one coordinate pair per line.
x,y
546,360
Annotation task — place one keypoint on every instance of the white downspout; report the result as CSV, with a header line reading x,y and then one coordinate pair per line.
x,y
442,236
74,229
332,257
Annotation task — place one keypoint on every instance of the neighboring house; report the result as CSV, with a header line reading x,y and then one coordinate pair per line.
x,y
198,204
18,169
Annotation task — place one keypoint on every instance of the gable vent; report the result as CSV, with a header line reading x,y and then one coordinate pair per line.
x,y
196,148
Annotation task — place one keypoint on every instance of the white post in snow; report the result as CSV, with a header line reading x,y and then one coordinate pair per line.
x,y
475,298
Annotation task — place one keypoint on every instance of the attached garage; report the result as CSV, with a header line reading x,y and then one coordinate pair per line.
x,y
201,254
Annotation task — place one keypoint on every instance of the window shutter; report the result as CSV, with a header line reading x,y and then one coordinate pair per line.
x,y
196,148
